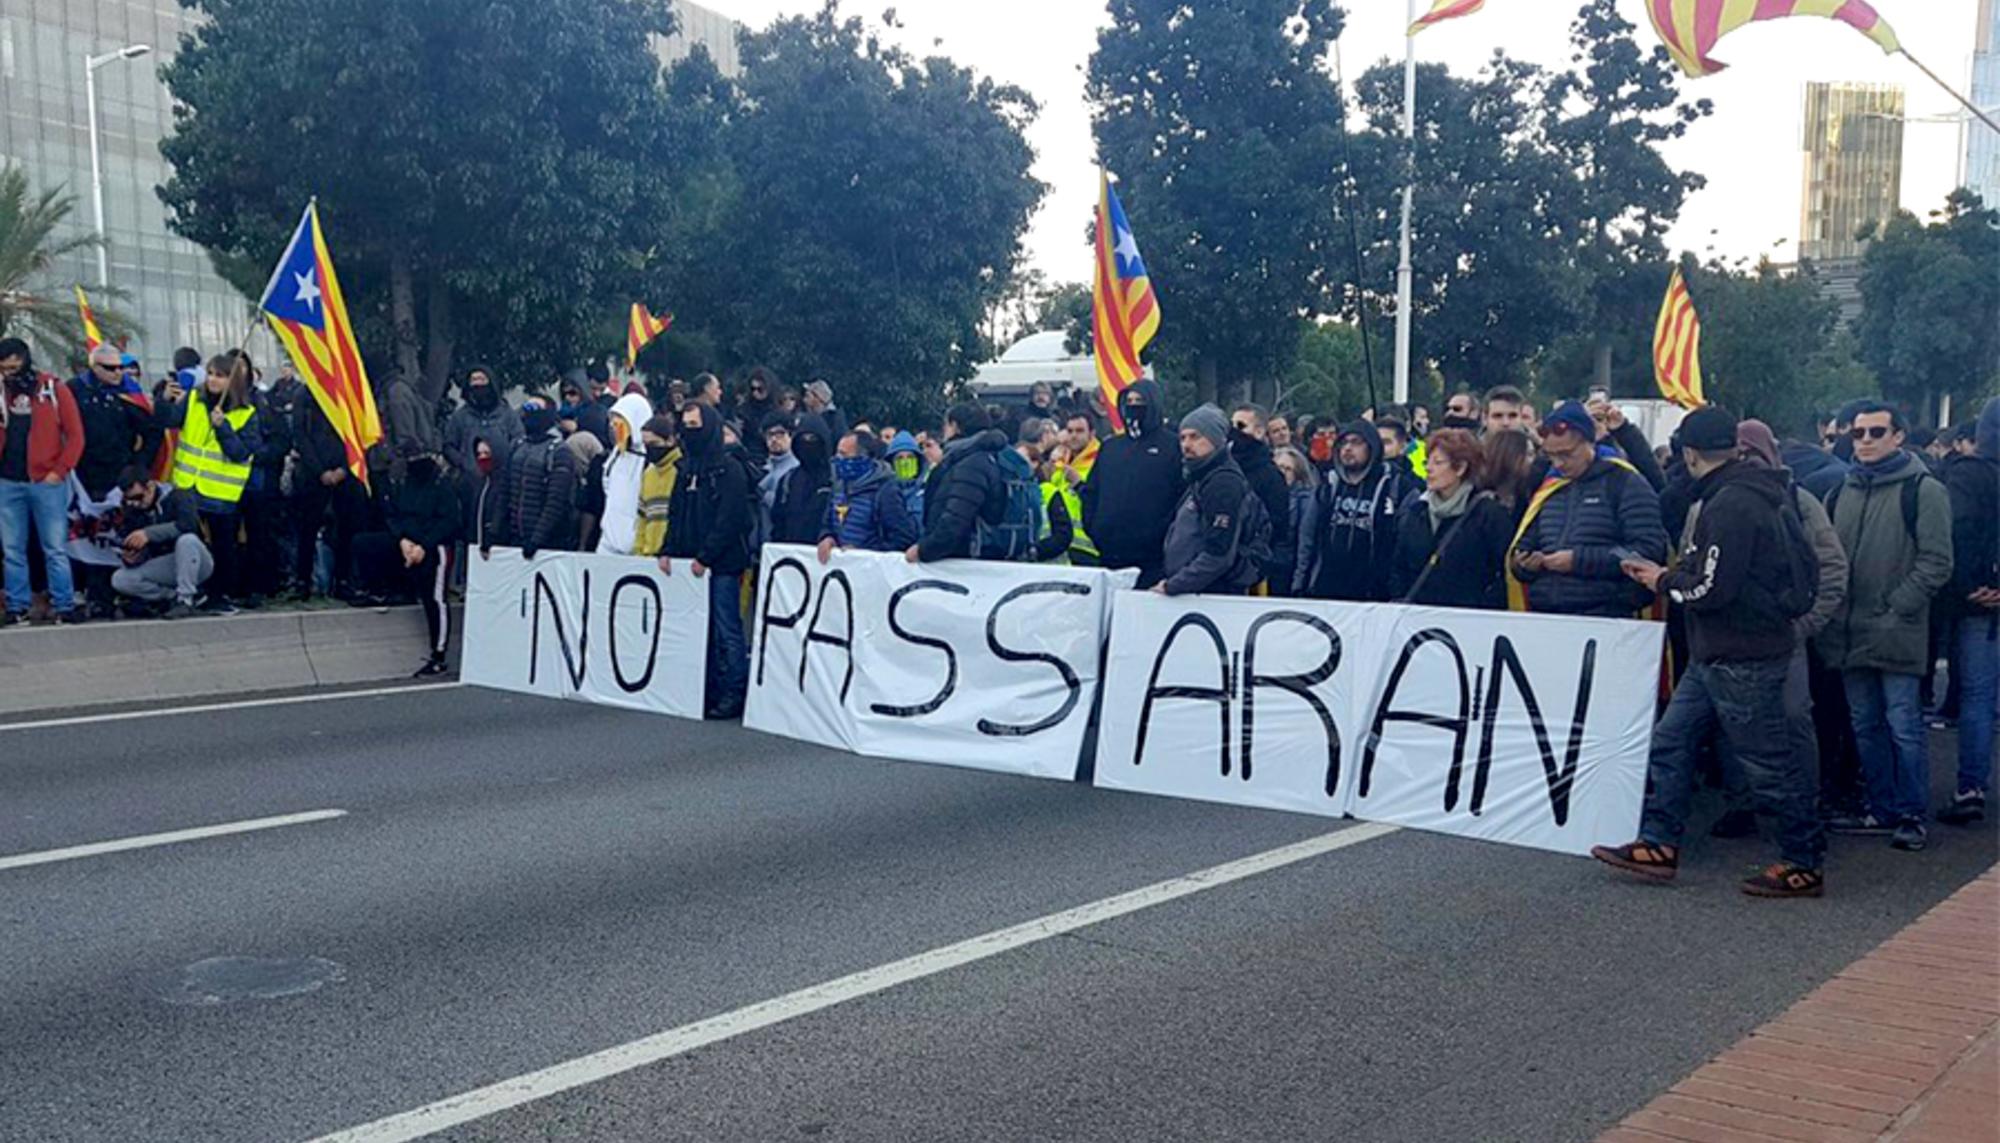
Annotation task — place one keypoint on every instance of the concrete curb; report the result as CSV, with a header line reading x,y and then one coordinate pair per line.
x,y
127,663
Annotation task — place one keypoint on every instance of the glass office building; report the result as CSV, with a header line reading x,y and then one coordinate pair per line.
x,y
1982,147
174,297
1853,144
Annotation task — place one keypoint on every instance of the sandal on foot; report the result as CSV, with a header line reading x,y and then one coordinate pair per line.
x,y
1656,862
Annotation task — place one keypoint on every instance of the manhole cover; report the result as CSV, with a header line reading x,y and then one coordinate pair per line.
x,y
230,979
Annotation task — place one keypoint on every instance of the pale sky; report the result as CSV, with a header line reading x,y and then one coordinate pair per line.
x,y
1749,148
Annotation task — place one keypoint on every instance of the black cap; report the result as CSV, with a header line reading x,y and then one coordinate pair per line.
x,y
1709,429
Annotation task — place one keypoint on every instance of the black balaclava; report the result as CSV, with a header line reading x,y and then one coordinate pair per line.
x,y
704,443
539,422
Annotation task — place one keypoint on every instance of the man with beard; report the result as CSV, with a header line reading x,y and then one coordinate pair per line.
x,y
1219,538
1130,496
1350,536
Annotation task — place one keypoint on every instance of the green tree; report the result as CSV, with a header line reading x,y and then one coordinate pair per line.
x,y
879,211
34,308
489,171
1223,128
1769,347
1329,378
1930,306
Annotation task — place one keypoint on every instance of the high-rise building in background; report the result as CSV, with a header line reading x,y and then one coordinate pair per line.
x,y
1982,146
1853,142
173,294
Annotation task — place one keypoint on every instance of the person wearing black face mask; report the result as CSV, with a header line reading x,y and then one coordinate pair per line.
x,y
710,528
483,417
414,557
1129,500
799,510
1249,444
541,482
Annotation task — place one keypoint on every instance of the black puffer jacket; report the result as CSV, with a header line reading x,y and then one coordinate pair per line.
x,y
961,492
710,509
1129,500
541,496
1609,508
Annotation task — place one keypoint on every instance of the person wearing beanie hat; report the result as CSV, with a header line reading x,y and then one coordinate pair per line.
x,y
1595,505
1739,584
1220,535
819,402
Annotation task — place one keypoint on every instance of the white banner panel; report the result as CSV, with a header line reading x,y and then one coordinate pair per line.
x,y
984,665
1527,729
601,629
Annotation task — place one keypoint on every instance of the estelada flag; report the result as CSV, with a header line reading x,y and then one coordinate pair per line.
x,y
1690,28
306,310
1677,347
642,329
1442,10
92,336
1125,313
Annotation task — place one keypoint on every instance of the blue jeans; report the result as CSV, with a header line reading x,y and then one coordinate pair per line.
x,y
1979,696
31,512
1889,731
1746,702
728,650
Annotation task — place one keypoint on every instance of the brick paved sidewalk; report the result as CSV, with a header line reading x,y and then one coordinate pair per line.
x,y
1903,1045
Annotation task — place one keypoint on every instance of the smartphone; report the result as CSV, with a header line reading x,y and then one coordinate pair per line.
x,y
1626,555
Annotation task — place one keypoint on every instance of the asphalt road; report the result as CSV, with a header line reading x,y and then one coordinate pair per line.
x,y
516,883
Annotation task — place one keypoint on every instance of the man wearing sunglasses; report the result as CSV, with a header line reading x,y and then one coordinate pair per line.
x,y
117,422
1894,519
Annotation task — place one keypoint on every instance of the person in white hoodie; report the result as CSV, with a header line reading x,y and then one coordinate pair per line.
x,y
624,469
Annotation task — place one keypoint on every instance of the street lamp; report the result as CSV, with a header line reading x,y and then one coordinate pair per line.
x,y
90,66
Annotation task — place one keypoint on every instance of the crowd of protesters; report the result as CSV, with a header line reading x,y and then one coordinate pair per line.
x,y
1810,587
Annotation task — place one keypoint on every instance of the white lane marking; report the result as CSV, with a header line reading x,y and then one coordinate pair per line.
x,y
50,856
246,704
584,1070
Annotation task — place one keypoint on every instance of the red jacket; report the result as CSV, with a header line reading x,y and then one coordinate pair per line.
x,y
55,436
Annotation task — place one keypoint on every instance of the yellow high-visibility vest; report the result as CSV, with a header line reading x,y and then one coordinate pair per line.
x,y
199,463
1058,485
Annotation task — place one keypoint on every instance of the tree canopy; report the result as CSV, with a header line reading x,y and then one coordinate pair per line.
x,y
1930,315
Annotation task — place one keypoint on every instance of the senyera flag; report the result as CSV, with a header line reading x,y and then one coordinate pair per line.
x,y
1125,314
1442,10
1690,28
643,328
1677,347
92,336
306,310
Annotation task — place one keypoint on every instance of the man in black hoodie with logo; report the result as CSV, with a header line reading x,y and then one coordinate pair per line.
x,y
1741,582
1346,551
1129,500
711,528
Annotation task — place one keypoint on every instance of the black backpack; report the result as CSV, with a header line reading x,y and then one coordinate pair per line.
x,y
1801,589
1253,542
1912,494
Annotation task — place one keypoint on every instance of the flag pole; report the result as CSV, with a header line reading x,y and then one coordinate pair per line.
x,y
1953,92
1404,271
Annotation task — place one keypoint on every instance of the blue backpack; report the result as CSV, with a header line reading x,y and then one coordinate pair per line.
x,y
1012,537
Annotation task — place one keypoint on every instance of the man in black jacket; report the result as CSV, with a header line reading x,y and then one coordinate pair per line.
x,y
1203,550
541,486
414,556
268,524
1249,446
1739,582
1346,551
165,560
711,527
1972,601
1129,500
323,483
964,489
117,429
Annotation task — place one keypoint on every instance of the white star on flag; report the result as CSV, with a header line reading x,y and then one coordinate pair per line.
x,y
308,289
1127,250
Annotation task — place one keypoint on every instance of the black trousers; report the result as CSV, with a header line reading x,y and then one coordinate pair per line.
x,y
225,543
345,508
269,546
378,562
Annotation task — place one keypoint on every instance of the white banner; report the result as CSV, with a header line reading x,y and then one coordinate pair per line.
x,y
1526,729
986,665
602,629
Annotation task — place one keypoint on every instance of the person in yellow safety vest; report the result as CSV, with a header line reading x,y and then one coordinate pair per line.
x,y
1066,476
219,438
656,485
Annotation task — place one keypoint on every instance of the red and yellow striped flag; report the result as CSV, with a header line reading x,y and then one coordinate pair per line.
x,y
92,336
307,311
1677,347
643,328
1442,10
1125,313
1690,28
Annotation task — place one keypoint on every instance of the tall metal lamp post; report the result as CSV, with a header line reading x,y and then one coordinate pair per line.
x,y
90,66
